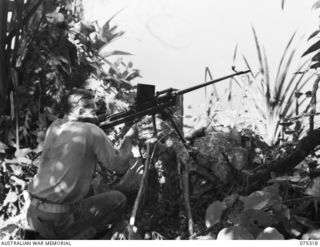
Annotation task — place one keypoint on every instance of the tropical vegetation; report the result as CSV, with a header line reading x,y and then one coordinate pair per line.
x,y
251,171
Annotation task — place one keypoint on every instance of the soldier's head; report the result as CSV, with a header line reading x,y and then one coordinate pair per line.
x,y
79,103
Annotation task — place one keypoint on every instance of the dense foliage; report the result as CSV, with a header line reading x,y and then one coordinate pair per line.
x,y
202,190
58,53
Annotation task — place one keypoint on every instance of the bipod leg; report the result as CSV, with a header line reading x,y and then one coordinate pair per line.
x,y
140,194
170,117
154,124
185,188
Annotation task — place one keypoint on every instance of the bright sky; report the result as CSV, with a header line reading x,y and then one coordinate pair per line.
x,y
174,40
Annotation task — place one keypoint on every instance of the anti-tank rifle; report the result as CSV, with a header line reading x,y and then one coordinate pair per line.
x,y
149,102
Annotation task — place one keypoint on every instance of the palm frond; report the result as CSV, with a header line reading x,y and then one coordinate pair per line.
x,y
258,48
274,100
267,75
207,75
3,32
233,67
248,65
312,48
314,34
281,77
297,87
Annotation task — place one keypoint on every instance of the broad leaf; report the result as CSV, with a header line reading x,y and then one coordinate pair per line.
x,y
24,160
230,200
312,234
258,200
11,197
270,233
22,152
16,170
255,220
273,189
234,233
214,212
3,147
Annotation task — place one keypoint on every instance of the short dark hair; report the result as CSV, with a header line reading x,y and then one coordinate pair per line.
x,y
77,97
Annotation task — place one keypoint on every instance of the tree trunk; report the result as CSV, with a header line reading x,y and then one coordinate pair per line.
x,y
313,103
303,149
3,66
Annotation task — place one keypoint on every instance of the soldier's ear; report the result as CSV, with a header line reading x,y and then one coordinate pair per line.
x,y
81,111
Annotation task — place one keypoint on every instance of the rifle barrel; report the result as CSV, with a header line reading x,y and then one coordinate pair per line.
x,y
187,90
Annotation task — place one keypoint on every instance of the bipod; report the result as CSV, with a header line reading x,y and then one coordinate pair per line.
x,y
167,114
184,176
